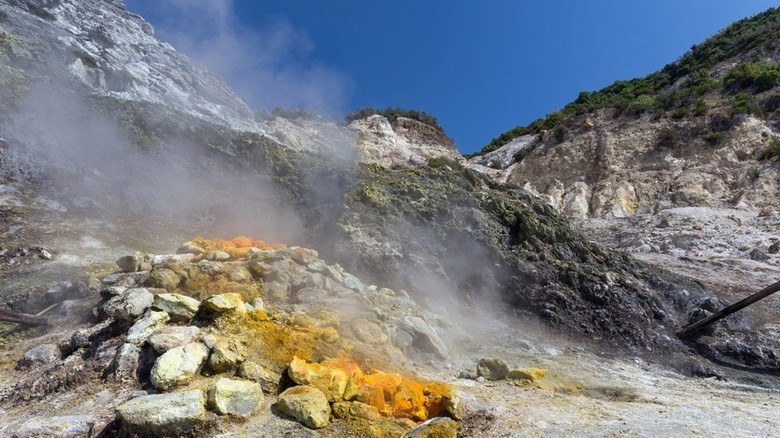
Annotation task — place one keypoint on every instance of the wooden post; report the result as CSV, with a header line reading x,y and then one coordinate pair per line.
x,y
760,295
22,318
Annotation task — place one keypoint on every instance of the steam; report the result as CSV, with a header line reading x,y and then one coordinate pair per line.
x,y
269,66
91,163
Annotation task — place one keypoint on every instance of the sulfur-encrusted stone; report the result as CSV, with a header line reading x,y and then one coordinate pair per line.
x,y
306,404
235,397
178,365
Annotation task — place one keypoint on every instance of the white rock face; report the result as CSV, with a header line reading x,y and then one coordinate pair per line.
x,y
406,141
616,168
115,53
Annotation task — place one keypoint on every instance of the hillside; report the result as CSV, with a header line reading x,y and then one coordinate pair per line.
x,y
725,71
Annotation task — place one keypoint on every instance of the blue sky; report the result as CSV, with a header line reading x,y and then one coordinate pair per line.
x,y
480,67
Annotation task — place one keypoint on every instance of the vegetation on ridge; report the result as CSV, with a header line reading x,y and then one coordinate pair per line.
x,y
392,114
751,38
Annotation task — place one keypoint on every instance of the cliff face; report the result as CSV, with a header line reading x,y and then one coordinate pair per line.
x,y
607,167
111,52
373,139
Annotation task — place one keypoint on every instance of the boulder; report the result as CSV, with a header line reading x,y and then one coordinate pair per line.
x,y
179,307
363,410
129,305
225,356
144,327
125,362
178,365
424,335
439,427
252,371
493,369
70,426
174,414
235,397
306,404
222,303
329,379
352,282
130,263
168,337
41,355
368,332
163,278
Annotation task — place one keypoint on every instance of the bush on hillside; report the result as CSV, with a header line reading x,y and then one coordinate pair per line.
x,y
392,114
772,151
758,76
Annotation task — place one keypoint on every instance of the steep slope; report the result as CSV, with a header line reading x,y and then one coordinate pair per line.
x,y
101,46
700,132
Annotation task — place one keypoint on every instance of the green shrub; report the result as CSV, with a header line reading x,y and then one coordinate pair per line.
x,y
700,109
642,104
680,113
394,113
444,161
745,104
772,151
669,137
759,76
714,138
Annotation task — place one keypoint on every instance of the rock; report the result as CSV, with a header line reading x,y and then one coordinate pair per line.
x,y
178,365
306,404
340,409
493,369
334,272
174,414
439,427
468,374
225,356
168,337
258,304
125,362
530,374
163,278
144,327
229,302
189,248
352,282
758,255
424,335
70,426
169,259
368,332
85,337
774,248
129,305
44,254
179,307
329,379
252,371
235,397
363,410
304,256
43,354
130,263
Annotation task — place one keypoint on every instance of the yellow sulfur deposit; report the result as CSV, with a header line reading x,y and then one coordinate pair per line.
x,y
237,247
391,394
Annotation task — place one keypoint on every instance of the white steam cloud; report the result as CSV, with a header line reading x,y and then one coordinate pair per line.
x,y
269,66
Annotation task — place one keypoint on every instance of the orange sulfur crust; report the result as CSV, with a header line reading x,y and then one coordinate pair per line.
x,y
237,248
